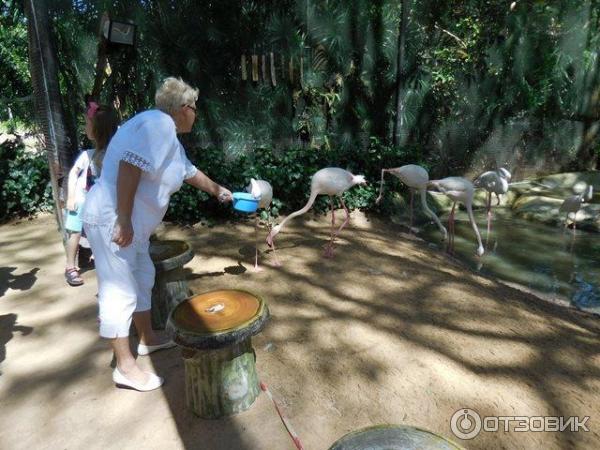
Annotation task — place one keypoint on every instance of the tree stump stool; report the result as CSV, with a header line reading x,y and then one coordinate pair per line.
x,y
393,437
170,285
215,330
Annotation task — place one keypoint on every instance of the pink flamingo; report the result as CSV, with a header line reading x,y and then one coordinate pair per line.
x,y
573,204
494,182
461,190
331,181
416,178
263,192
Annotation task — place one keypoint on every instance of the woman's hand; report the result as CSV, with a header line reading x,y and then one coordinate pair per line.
x,y
71,205
224,195
123,231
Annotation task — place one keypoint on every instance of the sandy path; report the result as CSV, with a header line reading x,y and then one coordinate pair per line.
x,y
389,331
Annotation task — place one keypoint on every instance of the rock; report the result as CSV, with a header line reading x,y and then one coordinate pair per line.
x,y
562,185
545,209
539,208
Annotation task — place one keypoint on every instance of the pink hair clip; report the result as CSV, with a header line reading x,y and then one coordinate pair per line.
x,y
92,108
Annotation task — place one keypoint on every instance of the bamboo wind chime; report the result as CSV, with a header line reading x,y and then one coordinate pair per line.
x,y
255,68
273,79
263,68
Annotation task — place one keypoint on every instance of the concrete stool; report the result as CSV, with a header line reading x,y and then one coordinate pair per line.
x,y
393,437
170,285
215,330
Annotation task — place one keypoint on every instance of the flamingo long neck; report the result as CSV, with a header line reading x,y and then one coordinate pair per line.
x,y
474,225
381,186
311,200
430,213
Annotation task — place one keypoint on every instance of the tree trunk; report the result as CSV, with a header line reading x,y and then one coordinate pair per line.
x,y
587,153
380,101
400,72
48,103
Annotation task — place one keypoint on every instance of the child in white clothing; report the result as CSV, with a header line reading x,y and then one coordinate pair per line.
x,y
100,125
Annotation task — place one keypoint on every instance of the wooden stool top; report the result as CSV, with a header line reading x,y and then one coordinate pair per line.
x,y
217,319
393,437
169,255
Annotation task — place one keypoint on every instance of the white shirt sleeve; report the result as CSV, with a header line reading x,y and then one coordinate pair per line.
x,y
150,143
190,169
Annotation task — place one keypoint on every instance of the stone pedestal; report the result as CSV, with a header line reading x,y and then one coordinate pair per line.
x,y
170,285
215,331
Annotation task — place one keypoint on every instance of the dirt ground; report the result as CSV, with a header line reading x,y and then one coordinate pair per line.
x,y
389,331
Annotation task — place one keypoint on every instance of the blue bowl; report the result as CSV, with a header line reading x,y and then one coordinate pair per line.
x,y
244,202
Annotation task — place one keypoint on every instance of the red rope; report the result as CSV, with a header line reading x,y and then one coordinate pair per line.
x,y
285,421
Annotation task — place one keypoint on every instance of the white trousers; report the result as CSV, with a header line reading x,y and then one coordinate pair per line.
x,y
125,280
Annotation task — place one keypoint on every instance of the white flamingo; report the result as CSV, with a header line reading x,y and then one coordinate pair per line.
x,y
416,178
461,190
331,181
572,204
494,182
263,192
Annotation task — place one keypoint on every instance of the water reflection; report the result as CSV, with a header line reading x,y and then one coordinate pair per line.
x,y
540,257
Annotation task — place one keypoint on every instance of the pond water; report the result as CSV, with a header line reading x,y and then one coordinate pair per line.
x,y
542,258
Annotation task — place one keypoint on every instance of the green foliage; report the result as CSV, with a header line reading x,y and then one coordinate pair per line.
x,y
486,83
14,69
24,181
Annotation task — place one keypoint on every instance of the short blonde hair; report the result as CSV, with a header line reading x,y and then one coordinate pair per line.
x,y
173,93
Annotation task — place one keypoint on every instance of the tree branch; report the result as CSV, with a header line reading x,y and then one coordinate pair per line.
x,y
459,40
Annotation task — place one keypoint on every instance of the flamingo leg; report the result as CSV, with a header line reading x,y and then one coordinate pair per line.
x,y
329,247
452,225
256,268
489,213
383,171
276,261
450,247
412,197
329,253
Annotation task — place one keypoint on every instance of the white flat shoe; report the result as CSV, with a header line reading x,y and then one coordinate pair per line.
x,y
144,350
154,381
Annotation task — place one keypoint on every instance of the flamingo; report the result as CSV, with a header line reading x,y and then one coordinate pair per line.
x,y
263,192
416,178
573,204
331,181
494,182
461,190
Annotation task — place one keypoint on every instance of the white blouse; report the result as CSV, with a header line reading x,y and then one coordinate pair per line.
x,y
148,141
79,173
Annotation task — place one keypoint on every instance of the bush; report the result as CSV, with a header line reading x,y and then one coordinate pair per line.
x,y
24,181
25,187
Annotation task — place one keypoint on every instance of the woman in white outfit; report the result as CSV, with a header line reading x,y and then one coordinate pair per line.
x,y
144,165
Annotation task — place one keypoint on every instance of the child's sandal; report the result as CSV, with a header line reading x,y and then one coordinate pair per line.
x,y
72,276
